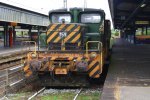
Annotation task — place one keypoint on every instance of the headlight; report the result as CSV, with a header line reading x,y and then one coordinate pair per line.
x,y
75,60
93,54
33,55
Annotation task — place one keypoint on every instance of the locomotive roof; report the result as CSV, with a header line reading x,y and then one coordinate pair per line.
x,y
80,9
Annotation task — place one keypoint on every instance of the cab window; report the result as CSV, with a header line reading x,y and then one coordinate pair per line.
x,y
90,18
60,18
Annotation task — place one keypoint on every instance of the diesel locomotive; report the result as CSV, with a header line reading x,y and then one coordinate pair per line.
x,y
74,49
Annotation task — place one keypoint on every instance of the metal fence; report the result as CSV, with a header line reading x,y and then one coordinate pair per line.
x,y
10,77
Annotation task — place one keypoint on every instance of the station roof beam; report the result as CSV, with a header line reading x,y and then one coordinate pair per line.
x,y
126,12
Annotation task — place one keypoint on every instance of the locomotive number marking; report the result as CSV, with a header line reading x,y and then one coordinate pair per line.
x,y
62,34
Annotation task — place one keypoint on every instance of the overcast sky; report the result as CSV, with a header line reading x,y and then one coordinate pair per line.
x,y
44,6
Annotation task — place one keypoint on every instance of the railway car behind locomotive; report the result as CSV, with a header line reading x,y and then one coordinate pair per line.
x,y
76,47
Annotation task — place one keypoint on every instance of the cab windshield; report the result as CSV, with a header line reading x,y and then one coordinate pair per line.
x,y
90,18
60,18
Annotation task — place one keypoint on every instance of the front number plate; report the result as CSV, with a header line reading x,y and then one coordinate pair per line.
x,y
60,71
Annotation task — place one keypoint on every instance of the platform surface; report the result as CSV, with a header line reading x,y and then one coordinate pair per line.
x,y
12,50
128,76
9,50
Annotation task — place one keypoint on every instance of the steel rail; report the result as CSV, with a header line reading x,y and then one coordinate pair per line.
x,y
7,75
35,94
77,94
4,98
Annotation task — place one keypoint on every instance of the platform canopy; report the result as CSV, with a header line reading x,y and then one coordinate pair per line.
x,y
17,15
129,13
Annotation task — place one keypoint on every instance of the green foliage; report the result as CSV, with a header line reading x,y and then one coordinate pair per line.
x,y
112,31
90,96
70,96
57,96
22,34
43,40
1,34
115,32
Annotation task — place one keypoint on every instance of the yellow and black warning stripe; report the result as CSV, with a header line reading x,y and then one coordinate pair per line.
x,y
44,66
74,38
52,27
67,58
73,33
49,26
94,69
77,58
53,32
79,43
27,70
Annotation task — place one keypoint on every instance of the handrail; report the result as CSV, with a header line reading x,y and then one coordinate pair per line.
x,y
34,45
100,48
29,49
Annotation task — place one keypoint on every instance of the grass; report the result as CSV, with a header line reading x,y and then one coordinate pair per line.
x,y
58,95
61,96
90,96
17,96
70,95
54,94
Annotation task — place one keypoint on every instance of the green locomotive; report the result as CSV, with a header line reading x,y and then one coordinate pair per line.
x,y
77,45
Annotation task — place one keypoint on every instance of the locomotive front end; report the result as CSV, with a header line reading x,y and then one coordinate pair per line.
x,y
74,49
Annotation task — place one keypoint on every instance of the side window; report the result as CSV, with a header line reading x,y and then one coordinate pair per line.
x,y
90,18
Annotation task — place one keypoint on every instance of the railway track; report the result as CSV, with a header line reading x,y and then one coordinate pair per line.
x,y
36,93
42,93
11,59
44,88
10,77
76,96
12,80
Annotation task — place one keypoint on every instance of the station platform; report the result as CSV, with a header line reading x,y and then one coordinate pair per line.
x,y
12,50
6,51
128,75
9,50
